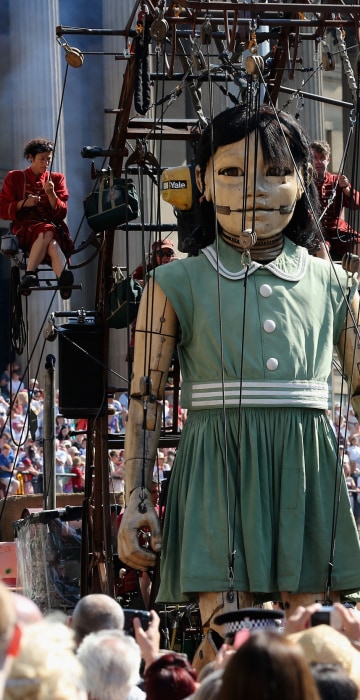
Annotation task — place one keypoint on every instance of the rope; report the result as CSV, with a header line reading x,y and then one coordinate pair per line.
x,y
59,117
142,101
349,73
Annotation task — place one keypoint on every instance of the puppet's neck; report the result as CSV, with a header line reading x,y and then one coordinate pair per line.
x,y
264,250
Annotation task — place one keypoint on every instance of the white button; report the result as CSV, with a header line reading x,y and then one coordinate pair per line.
x,y
272,363
265,290
269,326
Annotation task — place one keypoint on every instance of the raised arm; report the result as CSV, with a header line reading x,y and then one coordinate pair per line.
x,y
156,329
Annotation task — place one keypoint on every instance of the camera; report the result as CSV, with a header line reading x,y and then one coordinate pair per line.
x,y
327,616
143,615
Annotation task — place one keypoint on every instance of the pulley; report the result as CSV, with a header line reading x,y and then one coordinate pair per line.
x,y
73,56
351,263
254,64
327,59
159,29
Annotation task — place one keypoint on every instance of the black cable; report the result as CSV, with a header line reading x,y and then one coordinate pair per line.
x,y
17,332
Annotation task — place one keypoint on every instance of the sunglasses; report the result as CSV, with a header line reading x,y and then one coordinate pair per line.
x,y
166,253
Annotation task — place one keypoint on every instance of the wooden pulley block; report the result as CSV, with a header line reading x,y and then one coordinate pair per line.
x,y
159,29
351,262
327,60
254,64
74,57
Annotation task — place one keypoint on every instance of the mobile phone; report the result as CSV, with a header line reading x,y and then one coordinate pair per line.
x,y
327,616
129,614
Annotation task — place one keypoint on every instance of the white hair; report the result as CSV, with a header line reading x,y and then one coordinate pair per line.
x,y
46,666
111,660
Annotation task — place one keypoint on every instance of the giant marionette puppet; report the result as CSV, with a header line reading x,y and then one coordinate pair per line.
x,y
256,481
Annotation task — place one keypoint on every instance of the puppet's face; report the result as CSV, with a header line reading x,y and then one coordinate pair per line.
x,y
248,193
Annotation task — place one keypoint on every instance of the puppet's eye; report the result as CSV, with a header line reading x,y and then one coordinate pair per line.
x,y
231,171
278,171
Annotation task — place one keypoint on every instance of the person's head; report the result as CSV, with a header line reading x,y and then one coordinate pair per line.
x,y
155,492
321,157
268,664
209,687
248,166
111,661
27,612
346,469
34,384
324,644
63,432
77,461
39,152
162,252
96,611
170,676
333,683
8,620
46,666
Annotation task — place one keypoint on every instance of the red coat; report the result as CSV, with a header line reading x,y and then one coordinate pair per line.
x,y
337,231
29,222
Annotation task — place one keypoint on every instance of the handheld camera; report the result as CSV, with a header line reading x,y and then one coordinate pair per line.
x,y
328,615
143,615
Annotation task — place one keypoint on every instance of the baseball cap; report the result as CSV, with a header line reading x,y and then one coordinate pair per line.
x,y
166,243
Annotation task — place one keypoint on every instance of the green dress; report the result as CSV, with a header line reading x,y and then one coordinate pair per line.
x,y
255,474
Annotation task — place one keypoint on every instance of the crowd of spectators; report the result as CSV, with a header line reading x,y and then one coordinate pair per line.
x,y
347,431
91,653
22,435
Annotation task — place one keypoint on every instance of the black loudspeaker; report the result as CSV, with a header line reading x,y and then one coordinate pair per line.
x,y
81,372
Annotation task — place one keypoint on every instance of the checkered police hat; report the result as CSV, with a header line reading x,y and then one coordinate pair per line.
x,y
249,618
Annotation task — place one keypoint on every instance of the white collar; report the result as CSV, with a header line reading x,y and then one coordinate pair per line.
x,y
290,265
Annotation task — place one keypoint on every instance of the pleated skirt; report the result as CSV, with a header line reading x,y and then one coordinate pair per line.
x,y
258,495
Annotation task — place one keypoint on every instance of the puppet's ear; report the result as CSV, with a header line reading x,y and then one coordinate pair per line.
x,y
310,172
198,179
204,183
300,187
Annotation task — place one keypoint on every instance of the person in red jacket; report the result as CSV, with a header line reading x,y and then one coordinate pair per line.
x,y
35,200
335,192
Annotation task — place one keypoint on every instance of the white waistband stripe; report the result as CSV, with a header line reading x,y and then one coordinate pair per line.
x,y
301,393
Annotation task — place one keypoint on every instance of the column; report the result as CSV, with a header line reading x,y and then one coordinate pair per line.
x,y
36,92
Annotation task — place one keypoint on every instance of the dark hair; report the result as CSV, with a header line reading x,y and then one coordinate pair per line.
x,y
170,676
268,665
60,436
333,682
321,147
38,145
278,133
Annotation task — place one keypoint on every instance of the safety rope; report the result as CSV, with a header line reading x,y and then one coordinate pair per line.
x,y
142,92
348,71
